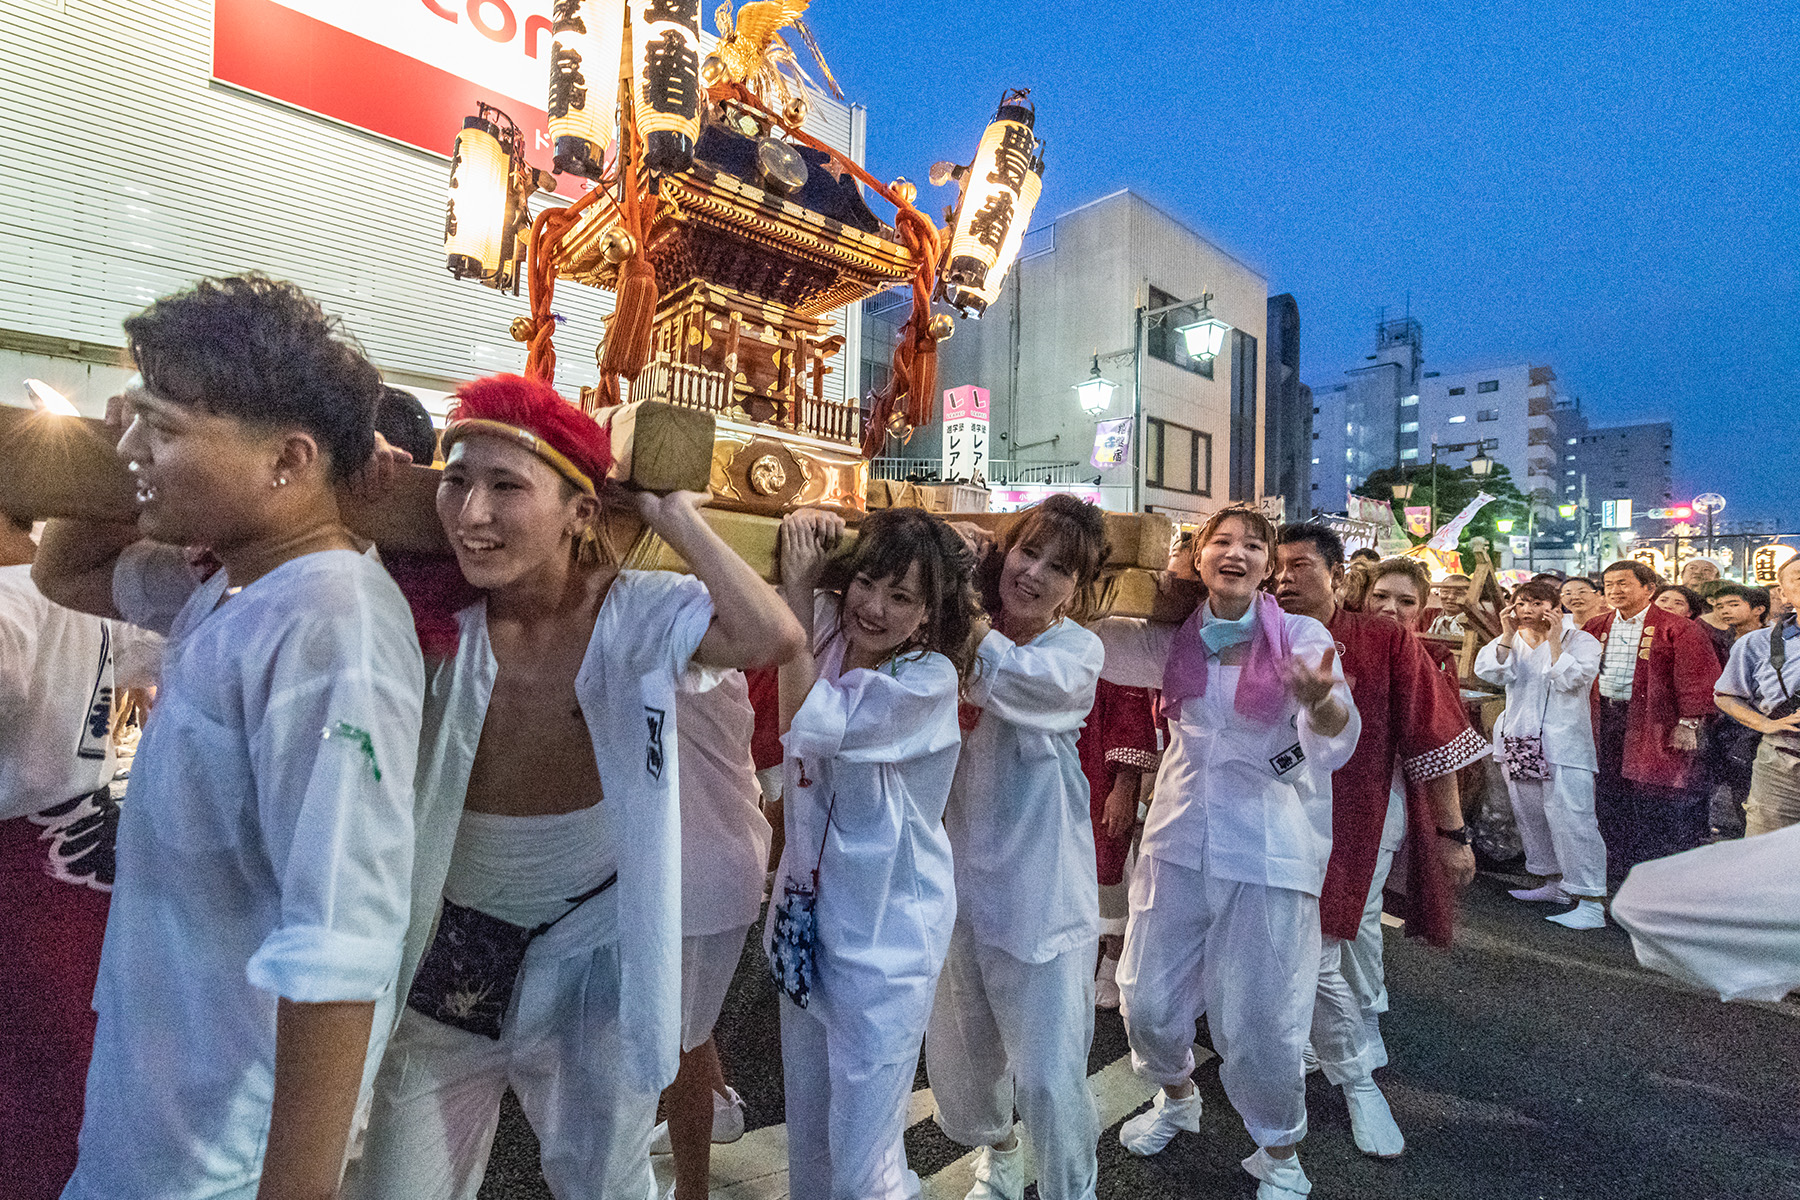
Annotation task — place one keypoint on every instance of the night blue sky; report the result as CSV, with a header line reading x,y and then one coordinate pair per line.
x,y
1613,189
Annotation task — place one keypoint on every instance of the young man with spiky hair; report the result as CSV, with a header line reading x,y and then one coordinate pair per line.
x,y
264,857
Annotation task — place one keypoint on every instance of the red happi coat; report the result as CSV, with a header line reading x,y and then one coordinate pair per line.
x,y
1122,731
1411,714
1676,671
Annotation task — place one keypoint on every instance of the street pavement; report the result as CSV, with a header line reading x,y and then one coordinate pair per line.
x,y
1530,1062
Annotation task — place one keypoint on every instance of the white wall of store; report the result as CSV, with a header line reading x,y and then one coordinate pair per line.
x,y
128,173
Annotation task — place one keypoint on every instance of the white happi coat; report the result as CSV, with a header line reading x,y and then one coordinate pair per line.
x,y
1236,799
60,674
1018,816
884,742
645,635
265,854
1545,697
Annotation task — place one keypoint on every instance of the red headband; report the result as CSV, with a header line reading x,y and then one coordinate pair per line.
x,y
532,413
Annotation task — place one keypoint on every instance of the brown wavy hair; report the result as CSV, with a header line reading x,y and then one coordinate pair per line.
x,y
1067,526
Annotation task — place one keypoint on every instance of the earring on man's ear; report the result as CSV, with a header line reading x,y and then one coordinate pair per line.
x,y
280,481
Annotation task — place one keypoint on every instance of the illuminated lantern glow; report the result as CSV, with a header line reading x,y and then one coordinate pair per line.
x,y
1766,563
1008,166
586,37
475,216
1015,237
1095,392
665,39
1203,339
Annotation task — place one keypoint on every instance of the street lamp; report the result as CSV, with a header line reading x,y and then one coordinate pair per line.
x,y
1403,491
1481,464
1205,336
1709,503
1095,392
1566,511
1504,524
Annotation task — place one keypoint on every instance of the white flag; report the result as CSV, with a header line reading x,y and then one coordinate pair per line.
x,y
1446,537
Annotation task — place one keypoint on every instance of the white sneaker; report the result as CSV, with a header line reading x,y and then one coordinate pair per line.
x,y
1587,914
999,1174
1550,893
1309,1058
1282,1178
1372,1121
728,1123
1106,984
1149,1131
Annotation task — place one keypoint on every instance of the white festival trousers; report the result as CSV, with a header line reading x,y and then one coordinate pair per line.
x,y
846,1116
1245,954
1346,1029
1557,824
1005,1032
437,1096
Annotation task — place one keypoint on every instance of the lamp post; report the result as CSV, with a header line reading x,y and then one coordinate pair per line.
x,y
1204,339
1481,466
1709,503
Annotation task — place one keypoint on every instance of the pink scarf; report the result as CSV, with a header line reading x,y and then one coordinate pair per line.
x,y
1261,695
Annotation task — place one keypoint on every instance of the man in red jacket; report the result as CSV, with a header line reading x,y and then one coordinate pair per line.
x,y
1413,733
1655,686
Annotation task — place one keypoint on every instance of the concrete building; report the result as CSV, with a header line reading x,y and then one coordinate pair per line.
x,y
1509,411
1359,424
1075,293
1287,432
1623,462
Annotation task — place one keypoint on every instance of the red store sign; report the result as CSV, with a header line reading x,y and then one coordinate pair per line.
x,y
410,70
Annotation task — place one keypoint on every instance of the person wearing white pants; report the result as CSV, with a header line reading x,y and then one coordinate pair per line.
x,y
724,853
864,897
1224,903
1545,743
1014,1016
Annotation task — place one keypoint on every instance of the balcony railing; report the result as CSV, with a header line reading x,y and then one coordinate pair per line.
x,y
995,470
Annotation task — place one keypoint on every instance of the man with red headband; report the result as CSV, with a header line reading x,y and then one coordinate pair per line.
x,y
545,947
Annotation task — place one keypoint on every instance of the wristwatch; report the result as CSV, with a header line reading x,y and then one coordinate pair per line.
x,y
1689,722
1460,835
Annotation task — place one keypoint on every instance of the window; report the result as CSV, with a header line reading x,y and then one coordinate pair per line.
x,y
1459,391
1488,414
1488,385
1161,340
1458,419
1568,458
1412,453
1572,441
1315,435
1409,427
1176,458
1408,401
1315,411
1315,462
1570,471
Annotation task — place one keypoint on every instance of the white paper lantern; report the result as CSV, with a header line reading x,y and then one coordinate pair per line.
x,y
475,216
665,41
1003,186
586,37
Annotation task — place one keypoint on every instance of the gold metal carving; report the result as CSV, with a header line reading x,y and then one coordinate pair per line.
x,y
767,475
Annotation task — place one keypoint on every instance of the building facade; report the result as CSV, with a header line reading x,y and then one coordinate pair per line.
x,y
133,169
1287,431
1623,462
1508,412
1368,420
1077,293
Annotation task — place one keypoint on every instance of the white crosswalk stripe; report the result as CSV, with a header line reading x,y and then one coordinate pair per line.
x,y
755,1166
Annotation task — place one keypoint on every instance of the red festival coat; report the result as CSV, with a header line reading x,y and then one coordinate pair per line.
x,y
1676,670
1121,731
1410,712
